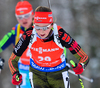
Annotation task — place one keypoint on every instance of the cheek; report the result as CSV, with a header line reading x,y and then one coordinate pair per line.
x,y
19,21
47,32
38,32
30,18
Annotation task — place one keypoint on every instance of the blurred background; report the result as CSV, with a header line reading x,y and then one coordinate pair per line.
x,y
80,18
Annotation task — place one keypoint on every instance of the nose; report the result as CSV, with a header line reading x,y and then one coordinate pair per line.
x,y
23,18
41,31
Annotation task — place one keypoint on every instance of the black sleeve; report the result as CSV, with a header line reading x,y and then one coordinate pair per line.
x,y
23,42
65,38
68,42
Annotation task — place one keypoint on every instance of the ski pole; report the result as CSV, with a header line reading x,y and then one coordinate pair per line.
x,y
49,4
0,70
80,80
83,77
88,79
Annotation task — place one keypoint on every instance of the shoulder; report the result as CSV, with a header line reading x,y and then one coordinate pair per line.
x,y
59,27
29,29
28,32
13,28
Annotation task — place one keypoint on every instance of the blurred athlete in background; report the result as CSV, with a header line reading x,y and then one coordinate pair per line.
x,y
24,15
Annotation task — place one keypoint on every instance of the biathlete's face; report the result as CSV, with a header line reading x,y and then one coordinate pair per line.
x,y
43,29
25,20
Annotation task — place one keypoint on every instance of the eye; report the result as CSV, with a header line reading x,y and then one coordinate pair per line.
x,y
37,29
20,17
47,27
27,15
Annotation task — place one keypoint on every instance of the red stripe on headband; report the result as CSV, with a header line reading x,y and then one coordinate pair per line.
x,y
43,17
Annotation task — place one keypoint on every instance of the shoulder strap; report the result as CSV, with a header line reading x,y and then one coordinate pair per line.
x,y
32,39
17,33
56,36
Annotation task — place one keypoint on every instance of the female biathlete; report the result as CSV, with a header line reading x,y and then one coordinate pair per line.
x,y
46,41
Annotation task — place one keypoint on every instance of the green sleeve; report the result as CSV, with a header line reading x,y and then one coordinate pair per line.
x,y
7,40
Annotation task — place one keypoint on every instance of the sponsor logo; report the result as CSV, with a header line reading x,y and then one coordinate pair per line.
x,y
50,15
41,50
29,32
20,9
36,66
19,44
66,37
24,67
39,18
21,12
48,69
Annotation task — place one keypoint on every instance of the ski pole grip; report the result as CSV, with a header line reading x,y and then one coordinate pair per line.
x,y
72,62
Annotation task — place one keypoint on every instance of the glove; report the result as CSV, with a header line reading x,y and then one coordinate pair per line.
x,y
17,78
1,63
78,69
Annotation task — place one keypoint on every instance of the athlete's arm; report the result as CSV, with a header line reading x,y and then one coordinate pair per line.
x,y
68,42
18,50
8,39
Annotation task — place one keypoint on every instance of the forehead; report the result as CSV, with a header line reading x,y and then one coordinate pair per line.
x,y
42,24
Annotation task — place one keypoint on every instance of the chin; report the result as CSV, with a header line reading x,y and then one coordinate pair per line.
x,y
43,37
25,25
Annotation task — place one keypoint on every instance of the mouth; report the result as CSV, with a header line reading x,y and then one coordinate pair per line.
x,y
24,23
42,35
